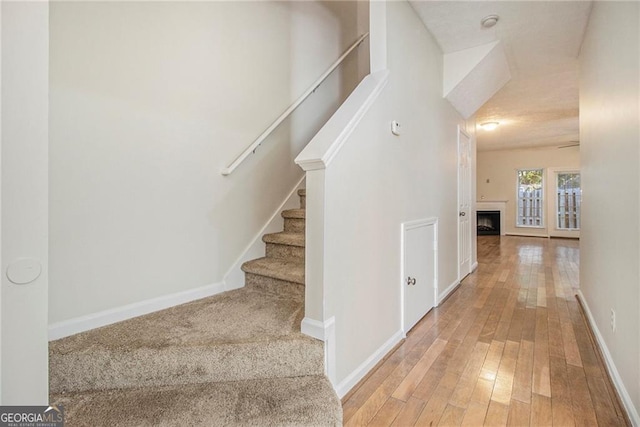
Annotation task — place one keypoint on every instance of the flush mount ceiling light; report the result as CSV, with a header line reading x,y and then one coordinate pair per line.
x,y
489,125
489,21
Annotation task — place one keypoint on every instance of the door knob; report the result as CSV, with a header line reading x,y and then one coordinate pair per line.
x,y
411,281
463,213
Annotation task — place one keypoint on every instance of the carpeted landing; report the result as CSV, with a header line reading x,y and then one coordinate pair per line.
x,y
234,359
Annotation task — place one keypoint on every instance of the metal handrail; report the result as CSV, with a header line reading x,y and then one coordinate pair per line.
x,y
251,149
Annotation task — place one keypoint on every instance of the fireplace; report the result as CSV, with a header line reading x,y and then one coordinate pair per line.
x,y
488,223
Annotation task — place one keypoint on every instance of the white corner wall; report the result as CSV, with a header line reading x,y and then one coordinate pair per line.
x,y
610,159
23,307
500,166
149,102
378,181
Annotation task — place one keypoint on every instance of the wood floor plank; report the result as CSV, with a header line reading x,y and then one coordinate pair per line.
x,y
435,407
524,373
463,390
583,408
504,379
452,416
561,406
491,364
541,414
482,392
509,347
541,379
475,414
388,413
430,382
413,378
409,413
519,413
497,414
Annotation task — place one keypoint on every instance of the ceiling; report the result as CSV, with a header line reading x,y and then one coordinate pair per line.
x,y
539,106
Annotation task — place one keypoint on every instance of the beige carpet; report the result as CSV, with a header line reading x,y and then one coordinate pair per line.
x,y
237,358
238,335
299,401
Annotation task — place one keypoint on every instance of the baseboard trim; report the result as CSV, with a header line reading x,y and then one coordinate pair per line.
x,y
316,329
445,294
361,371
474,266
632,411
544,236
107,317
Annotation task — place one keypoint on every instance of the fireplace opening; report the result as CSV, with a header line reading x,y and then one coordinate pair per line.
x,y
488,223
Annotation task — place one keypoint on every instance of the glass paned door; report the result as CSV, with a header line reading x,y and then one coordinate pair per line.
x,y
568,193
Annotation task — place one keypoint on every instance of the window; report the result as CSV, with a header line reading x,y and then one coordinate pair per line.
x,y
530,207
568,202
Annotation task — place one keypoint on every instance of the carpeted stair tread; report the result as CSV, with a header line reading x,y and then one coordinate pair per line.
x,y
277,268
285,238
236,335
296,401
294,213
240,315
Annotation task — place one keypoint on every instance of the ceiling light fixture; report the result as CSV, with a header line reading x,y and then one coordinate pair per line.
x,y
489,21
489,125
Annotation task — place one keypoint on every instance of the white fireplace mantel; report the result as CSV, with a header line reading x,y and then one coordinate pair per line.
x,y
494,205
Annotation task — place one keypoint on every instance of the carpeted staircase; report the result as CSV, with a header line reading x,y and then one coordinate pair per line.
x,y
234,359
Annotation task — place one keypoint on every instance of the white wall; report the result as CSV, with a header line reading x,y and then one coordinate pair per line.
x,y
610,158
499,167
149,102
23,308
378,181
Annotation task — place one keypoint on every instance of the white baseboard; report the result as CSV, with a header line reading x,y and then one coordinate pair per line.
x,y
546,236
444,294
315,328
114,315
474,266
359,373
632,411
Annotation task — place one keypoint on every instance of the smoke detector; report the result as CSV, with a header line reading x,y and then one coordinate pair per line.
x,y
489,21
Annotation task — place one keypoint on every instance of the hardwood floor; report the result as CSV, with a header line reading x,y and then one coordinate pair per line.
x,y
509,347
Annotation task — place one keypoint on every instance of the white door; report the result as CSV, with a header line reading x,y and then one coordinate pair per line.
x,y
419,270
464,204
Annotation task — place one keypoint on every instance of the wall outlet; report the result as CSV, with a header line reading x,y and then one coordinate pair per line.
x,y
613,320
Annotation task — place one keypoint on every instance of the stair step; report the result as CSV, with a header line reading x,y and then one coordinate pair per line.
x,y
294,220
294,213
237,335
285,245
285,238
299,401
271,285
281,269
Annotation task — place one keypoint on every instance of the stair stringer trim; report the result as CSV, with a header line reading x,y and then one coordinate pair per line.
x,y
234,277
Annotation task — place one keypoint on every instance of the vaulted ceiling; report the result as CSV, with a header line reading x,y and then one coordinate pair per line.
x,y
541,39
